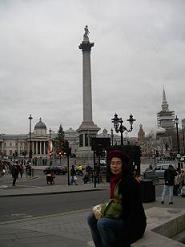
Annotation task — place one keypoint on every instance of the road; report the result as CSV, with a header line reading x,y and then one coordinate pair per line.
x,y
12,208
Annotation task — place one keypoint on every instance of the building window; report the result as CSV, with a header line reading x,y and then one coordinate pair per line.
x,y
42,147
86,140
81,140
38,148
34,144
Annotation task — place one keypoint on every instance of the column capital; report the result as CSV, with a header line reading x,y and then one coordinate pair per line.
x,y
86,46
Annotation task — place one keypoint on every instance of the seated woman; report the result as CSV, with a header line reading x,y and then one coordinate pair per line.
x,y
131,224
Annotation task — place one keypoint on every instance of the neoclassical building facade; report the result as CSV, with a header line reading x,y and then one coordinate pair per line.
x,y
18,145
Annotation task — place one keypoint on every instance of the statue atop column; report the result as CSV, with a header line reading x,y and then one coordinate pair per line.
x,y
86,37
86,45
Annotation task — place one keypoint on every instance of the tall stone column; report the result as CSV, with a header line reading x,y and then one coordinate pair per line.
x,y
87,93
87,128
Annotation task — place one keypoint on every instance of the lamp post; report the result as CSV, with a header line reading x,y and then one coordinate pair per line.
x,y
30,147
177,132
112,137
119,127
67,151
183,130
60,157
50,148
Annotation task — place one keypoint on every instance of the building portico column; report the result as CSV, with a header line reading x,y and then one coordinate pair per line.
x,y
44,147
40,147
32,147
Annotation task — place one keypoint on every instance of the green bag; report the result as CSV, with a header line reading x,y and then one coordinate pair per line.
x,y
113,208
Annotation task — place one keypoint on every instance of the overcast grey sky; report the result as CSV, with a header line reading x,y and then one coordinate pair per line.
x,y
139,49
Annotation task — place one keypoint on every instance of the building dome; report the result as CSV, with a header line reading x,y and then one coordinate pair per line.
x,y
40,125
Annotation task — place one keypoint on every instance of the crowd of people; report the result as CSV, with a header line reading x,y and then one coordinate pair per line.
x,y
15,168
86,174
179,181
174,181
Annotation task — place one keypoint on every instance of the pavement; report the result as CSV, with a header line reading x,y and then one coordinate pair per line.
x,y
68,229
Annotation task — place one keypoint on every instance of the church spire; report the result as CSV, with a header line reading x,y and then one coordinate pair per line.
x,y
164,102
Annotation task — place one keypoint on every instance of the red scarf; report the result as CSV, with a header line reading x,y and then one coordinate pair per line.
x,y
114,180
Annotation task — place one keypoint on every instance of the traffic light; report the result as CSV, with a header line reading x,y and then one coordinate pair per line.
x,y
67,149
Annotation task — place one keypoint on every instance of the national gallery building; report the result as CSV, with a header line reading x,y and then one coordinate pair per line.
x,y
18,145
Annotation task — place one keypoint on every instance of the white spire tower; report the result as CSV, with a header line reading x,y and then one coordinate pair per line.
x,y
165,118
164,102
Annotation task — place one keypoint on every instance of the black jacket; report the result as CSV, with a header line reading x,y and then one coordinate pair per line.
x,y
14,171
133,212
169,176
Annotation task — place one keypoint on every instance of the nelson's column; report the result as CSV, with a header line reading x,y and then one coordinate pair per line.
x,y
87,128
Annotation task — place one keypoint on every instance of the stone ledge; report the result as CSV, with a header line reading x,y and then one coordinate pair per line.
x,y
166,221
152,239
162,225
180,237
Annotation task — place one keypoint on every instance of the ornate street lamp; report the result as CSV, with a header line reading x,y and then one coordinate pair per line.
x,y
119,127
30,147
178,144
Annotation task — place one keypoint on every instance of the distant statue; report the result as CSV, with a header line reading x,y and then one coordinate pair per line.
x,y
86,32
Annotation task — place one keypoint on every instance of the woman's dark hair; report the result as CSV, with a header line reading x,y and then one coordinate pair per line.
x,y
126,164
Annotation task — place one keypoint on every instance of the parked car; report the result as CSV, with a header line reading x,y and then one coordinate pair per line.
x,y
103,166
150,173
183,191
160,169
157,171
57,170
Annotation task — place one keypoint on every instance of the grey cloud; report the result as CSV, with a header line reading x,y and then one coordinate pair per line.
x,y
139,48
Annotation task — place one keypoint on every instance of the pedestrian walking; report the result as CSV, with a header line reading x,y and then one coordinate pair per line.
x,y
177,183
50,176
182,193
169,180
121,221
73,175
28,170
20,169
15,173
